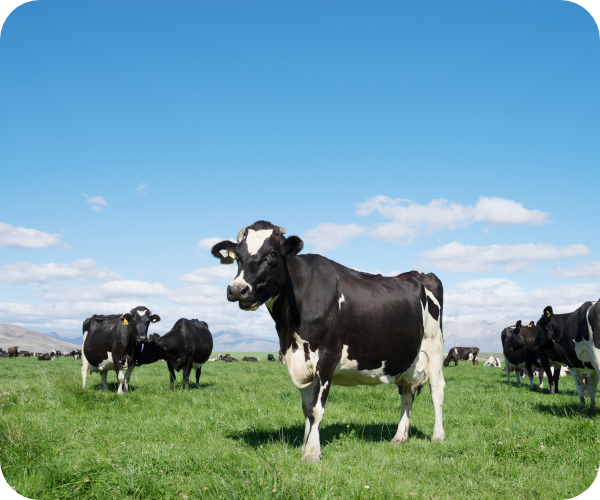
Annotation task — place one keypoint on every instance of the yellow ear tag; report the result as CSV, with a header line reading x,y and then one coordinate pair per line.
x,y
548,313
125,322
154,320
232,254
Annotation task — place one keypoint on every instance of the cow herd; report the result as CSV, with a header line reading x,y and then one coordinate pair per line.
x,y
13,352
337,325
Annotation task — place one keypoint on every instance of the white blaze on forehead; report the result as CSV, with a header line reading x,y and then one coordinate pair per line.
x,y
240,281
255,239
142,312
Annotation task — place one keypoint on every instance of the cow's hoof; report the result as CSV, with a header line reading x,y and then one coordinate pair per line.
x,y
197,386
399,441
541,386
312,458
551,390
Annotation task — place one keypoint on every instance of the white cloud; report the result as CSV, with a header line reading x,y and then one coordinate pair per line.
x,y
210,242
209,275
587,270
21,237
79,270
455,257
493,299
328,236
408,219
96,201
141,189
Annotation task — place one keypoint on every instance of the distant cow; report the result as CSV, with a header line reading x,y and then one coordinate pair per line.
x,y
515,359
13,352
24,354
55,353
45,357
246,358
188,345
464,353
492,361
270,357
227,358
111,343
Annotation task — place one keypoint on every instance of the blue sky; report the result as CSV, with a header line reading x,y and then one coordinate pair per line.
x,y
455,137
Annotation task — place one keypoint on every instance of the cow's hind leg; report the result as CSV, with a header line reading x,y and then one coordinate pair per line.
x,y
171,374
103,376
84,372
198,372
579,387
592,387
305,395
437,385
407,398
518,374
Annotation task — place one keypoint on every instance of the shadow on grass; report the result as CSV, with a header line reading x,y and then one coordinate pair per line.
x,y
295,435
563,410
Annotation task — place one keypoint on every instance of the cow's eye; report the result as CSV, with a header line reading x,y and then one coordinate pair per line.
x,y
272,254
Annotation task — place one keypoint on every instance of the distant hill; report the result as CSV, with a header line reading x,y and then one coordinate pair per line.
x,y
237,341
482,334
72,340
28,340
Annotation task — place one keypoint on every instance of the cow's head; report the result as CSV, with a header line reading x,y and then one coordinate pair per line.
x,y
150,352
260,252
545,335
517,341
137,321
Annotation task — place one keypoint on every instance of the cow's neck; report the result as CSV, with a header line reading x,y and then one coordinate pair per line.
x,y
285,311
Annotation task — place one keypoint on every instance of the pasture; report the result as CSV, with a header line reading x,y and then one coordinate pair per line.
x,y
239,437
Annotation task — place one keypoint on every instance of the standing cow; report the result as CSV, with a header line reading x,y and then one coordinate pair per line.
x,y
464,353
13,352
188,345
339,325
581,342
516,359
110,343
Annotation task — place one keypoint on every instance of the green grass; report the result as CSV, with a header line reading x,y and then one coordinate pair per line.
x,y
239,436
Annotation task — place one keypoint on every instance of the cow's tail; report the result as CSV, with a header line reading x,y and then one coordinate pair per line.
x,y
84,362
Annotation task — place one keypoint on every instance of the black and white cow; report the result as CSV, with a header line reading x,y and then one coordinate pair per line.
x,y
46,357
550,328
112,342
581,342
464,353
338,325
188,345
270,357
515,360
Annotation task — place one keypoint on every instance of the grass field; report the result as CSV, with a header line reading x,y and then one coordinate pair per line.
x,y
239,437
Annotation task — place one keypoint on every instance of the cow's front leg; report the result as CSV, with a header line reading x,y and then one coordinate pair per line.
x,y
507,370
592,387
120,375
316,407
541,377
186,373
518,374
103,376
579,387
305,395
407,398
530,375
128,373
171,374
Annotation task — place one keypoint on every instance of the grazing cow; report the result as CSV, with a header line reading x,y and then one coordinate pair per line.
x,y
492,361
551,360
111,343
45,357
581,343
464,353
270,357
339,325
188,345
246,358
13,352
549,336
281,358
516,359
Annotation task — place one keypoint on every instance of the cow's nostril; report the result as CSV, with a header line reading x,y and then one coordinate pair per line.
x,y
244,290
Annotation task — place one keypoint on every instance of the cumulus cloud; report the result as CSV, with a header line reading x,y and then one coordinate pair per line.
x,y
210,242
409,219
493,299
141,189
456,257
587,270
209,275
21,237
79,270
96,201
328,236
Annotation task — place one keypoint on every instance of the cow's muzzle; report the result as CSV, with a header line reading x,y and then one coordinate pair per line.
x,y
141,340
238,292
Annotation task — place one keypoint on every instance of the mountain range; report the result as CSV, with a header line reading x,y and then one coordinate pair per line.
x,y
482,334
28,340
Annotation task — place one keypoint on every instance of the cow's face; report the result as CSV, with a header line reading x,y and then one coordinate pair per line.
x,y
260,252
137,322
544,338
516,340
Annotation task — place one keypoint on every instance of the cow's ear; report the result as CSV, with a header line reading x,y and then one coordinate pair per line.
x,y
531,324
154,337
225,251
155,318
518,326
126,318
548,312
292,246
